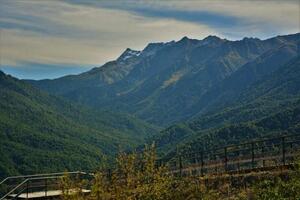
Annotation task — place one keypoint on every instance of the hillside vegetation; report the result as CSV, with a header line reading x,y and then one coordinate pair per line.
x,y
268,107
203,93
130,181
170,82
43,133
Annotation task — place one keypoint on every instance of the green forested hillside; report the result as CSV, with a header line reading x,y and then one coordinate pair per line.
x,y
221,92
283,122
228,90
43,133
270,106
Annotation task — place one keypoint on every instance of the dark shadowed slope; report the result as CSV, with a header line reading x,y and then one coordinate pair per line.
x,y
43,133
269,106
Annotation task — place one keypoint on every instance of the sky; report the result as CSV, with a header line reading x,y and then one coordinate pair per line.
x,y
51,38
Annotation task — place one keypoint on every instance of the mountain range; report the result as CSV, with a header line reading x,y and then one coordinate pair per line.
x,y
174,81
180,94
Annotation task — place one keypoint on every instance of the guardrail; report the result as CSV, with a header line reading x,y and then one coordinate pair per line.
x,y
265,154
269,152
36,182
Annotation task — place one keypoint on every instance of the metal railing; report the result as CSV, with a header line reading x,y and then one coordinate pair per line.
x,y
264,153
36,183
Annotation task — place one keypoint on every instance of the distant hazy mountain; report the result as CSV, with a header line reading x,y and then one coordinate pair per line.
x,y
44,133
169,82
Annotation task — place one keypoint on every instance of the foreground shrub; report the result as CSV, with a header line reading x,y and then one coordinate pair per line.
x,y
138,177
280,188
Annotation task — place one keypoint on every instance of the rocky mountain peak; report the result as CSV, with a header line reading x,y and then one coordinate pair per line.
x,y
152,48
128,53
212,39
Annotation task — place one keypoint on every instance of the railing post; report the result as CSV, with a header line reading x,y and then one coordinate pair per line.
x,y
215,160
195,161
263,152
46,185
174,164
239,167
225,159
202,163
252,156
27,189
180,165
160,162
109,174
283,150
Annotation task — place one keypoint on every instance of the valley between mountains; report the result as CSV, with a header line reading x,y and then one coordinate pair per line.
x,y
206,92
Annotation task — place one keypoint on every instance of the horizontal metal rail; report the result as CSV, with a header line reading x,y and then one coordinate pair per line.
x,y
280,150
283,149
25,181
256,141
40,175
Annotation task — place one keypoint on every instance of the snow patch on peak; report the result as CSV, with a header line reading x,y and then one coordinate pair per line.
x,y
129,53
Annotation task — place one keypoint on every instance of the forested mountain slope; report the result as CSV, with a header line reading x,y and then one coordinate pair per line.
x,y
208,89
269,106
44,133
170,82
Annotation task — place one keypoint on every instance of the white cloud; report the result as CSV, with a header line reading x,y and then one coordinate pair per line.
x,y
56,32
86,35
283,14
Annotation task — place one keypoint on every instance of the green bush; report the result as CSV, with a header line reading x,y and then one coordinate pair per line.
x,y
137,177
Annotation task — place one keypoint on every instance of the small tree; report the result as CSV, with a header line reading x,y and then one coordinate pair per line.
x,y
72,189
